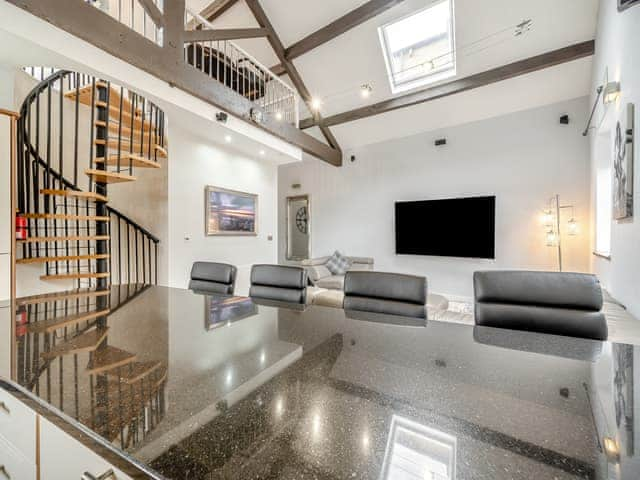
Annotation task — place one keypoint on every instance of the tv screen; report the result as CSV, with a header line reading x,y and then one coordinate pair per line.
x,y
456,227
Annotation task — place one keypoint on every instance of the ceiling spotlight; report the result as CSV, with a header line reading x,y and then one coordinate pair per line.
x,y
316,103
227,138
278,116
365,90
262,153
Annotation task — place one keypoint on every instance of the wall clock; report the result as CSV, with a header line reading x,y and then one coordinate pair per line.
x,y
302,220
624,4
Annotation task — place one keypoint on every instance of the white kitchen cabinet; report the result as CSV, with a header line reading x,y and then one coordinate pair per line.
x,y
64,458
18,426
13,464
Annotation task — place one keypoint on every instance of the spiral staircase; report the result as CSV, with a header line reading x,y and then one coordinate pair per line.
x,y
77,135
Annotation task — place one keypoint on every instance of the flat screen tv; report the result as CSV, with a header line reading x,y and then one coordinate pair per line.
x,y
455,227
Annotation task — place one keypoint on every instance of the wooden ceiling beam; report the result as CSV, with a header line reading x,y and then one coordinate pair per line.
x,y
217,8
274,40
153,11
350,20
515,69
210,35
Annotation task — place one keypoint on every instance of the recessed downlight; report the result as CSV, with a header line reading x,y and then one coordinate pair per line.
x,y
227,138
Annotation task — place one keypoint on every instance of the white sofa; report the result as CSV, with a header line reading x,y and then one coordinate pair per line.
x,y
321,277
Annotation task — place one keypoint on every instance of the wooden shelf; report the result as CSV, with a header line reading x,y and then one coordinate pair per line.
x,y
103,176
75,194
54,324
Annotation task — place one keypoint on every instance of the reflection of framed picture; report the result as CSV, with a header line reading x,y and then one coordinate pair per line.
x,y
221,311
228,212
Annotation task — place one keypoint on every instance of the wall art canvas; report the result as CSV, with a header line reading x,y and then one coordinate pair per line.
x,y
229,212
623,153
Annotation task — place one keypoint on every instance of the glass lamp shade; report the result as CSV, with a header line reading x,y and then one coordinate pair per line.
x,y
573,227
547,218
551,238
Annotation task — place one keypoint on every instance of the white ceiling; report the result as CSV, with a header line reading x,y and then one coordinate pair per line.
x,y
334,71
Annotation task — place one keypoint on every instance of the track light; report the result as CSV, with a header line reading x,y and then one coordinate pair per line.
x,y
611,92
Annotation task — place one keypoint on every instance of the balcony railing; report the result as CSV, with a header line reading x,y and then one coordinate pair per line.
x,y
131,14
227,63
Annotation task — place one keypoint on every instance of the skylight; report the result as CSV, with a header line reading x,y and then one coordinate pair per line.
x,y
419,48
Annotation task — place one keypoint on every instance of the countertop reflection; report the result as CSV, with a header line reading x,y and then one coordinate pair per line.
x,y
201,387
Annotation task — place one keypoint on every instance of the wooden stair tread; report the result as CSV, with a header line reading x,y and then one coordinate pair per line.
x,y
75,194
73,276
114,127
103,176
62,258
136,161
62,296
65,216
53,324
125,145
85,342
85,96
135,371
109,358
71,238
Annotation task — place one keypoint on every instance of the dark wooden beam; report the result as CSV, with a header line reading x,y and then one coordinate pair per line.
x,y
296,79
166,63
355,17
153,11
223,34
217,8
522,67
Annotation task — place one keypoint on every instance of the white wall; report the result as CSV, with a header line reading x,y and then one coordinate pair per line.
x,y
523,158
617,43
6,102
195,162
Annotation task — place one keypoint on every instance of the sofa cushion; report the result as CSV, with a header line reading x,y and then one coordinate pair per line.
x,y
316,272
333,282
338,264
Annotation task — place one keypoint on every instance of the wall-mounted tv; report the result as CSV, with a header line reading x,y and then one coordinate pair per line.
x,y
455,227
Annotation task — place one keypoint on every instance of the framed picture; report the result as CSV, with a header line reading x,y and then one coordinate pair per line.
x,y
228,212
623,166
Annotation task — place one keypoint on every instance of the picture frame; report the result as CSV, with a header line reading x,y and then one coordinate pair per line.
x,y
230,212
623,165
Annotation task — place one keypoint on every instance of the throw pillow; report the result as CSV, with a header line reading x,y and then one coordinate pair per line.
x,y
338,264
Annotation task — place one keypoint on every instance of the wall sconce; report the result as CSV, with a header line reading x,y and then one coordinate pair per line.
x,y
611,449
551,221
611,92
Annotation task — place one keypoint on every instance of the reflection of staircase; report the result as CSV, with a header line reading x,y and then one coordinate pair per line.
x,y
80,134
59,331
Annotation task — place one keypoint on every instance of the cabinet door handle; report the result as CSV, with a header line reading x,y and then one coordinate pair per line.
x,y
105,476
3,406
4,473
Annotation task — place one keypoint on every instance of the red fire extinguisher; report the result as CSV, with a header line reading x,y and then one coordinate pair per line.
x,y
21,227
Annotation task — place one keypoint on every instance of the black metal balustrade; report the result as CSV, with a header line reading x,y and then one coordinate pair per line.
x,y
74,124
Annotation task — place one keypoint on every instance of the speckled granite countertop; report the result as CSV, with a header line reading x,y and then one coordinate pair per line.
x,y
192,387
